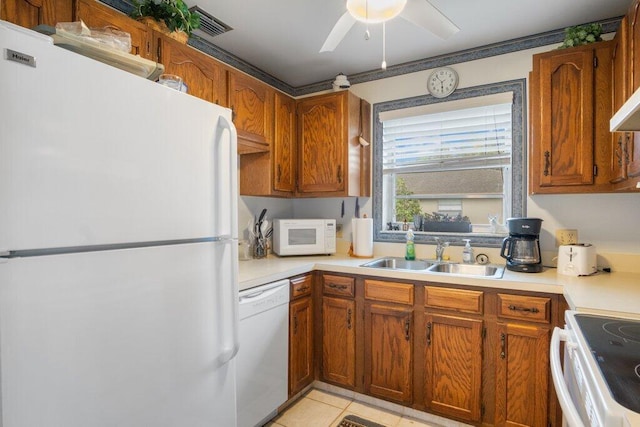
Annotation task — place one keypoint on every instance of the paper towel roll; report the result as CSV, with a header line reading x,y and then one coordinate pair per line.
x,y
362,232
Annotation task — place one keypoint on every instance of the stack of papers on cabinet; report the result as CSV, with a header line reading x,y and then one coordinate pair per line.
x,y
100,52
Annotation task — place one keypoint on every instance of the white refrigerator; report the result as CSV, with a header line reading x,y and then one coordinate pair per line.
x,y
118,246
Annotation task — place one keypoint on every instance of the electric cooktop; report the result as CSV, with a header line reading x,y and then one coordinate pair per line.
x,y
615,345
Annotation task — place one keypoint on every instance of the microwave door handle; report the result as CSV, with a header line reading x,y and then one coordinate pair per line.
x,y
569,410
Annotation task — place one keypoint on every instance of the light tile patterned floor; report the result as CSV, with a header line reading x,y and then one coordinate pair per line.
x,y
322,409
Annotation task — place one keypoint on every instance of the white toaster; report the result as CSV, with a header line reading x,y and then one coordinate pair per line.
x,y
577,260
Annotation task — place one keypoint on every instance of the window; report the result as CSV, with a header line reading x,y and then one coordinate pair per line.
x,y
446,166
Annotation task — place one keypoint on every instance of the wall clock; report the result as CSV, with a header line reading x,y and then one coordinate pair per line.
x,y
442,82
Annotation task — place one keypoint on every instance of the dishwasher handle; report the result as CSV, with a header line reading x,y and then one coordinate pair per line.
x,y
569,410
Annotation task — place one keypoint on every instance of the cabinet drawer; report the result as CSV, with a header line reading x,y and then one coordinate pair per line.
x,y
522,307
377,290
338,285
301,286
453,299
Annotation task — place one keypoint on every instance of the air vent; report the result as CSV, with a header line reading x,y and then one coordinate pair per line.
x,y
209,26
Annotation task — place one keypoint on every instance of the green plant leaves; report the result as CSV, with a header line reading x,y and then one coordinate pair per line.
x,y
174,13
582,34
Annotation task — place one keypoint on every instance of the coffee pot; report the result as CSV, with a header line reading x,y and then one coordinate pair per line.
x,y
522,248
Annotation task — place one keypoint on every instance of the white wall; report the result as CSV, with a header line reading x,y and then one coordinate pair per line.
x,y
609,221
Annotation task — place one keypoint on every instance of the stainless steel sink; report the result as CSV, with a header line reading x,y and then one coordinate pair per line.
x,y
433,266
397,263
468,269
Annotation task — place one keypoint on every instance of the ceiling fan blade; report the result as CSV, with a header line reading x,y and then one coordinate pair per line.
x,y
425,15
338,32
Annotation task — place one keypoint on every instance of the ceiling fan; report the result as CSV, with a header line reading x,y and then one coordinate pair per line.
x,y
419,12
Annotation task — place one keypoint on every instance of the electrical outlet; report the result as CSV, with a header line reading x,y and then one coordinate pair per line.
x,y
566,236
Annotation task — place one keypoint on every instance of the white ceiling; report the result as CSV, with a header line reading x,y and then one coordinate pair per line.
x,y
283,37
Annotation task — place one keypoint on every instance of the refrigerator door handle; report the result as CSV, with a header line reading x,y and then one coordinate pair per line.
x,y
229,347
226,185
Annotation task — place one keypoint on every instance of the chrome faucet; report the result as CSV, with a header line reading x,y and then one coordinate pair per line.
x,y
440,249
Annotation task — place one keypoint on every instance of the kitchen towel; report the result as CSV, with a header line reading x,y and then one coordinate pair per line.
x,y
362,237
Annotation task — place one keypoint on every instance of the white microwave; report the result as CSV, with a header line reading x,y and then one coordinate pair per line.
x,y
304,236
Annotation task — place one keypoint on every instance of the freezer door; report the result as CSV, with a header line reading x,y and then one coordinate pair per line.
x,y
134,338
90,154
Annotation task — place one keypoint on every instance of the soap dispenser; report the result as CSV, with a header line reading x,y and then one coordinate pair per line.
x,y
410,253
467,252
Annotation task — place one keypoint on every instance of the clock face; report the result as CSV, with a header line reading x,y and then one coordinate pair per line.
x,y
442,82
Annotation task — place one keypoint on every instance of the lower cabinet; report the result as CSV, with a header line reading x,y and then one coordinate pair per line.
x,y
522,375
453,366
388,338
301,363
453,352
339,341
473,354
339,330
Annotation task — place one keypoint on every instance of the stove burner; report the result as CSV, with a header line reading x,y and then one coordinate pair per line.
x,y
623,330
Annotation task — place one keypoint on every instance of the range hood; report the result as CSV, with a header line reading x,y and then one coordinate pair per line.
x,y
628,116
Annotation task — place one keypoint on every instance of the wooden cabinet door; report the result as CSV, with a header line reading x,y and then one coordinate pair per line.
x,y
339,341
96,14
453,371
565,141
284,144
619,91
522,375
633,57
321,143
571,105
252,105
31,13
300,344
204,77
388,352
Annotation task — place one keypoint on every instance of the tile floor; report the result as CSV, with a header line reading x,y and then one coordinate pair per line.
x,y
323,409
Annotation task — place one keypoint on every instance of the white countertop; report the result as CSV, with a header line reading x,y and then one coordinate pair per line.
x,y
605,293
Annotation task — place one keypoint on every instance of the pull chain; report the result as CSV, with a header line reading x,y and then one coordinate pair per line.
x,y
384,47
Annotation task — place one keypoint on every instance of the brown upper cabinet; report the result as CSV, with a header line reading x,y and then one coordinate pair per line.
x,y
322,159
31,13
97,15
204,77
571,107
252,104
329,159
631,143
273,173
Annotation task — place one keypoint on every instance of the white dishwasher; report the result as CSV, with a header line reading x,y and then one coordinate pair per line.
x,y
263,358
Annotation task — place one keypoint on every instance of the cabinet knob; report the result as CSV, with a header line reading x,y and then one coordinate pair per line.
x,y
429,333
503,344
407,329
349,319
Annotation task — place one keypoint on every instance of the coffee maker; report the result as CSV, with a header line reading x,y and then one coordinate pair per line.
x,y
522,248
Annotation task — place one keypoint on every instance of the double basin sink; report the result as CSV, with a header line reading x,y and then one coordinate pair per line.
x,y
431,266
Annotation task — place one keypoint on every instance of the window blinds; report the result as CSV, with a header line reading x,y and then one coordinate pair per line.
x,y
465,138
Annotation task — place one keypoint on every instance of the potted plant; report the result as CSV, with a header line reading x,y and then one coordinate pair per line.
x,y
581,34
171,17
443,223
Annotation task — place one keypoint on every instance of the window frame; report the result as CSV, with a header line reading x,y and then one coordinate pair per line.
x,y
518,160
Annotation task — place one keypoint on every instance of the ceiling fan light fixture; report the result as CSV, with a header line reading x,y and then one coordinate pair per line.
x,y
375,11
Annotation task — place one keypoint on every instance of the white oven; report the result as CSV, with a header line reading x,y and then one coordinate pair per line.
x,y
600,385
304,236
